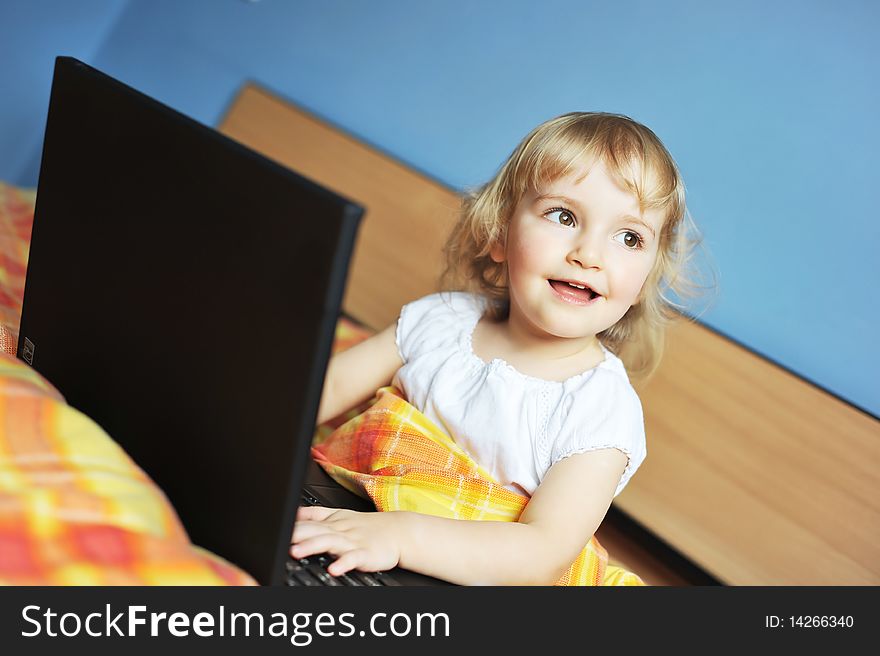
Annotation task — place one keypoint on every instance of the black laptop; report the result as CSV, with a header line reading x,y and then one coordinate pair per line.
x,y
182,291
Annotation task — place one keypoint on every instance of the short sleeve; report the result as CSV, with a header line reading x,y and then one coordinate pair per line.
x,y
434,321
607,413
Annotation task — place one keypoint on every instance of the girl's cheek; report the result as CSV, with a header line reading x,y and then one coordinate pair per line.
x,y
623,274
523,251
634,281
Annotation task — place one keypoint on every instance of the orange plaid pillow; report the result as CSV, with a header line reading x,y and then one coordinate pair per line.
x,y
16,220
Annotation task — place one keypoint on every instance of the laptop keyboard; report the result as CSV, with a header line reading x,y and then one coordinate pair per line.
x,y
312,571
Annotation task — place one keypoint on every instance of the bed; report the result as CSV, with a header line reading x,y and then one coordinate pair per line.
x,y
755,477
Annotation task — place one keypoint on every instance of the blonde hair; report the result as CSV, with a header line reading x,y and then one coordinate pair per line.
x,y
639,163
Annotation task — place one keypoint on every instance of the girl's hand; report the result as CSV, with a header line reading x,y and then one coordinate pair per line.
x,y
366,541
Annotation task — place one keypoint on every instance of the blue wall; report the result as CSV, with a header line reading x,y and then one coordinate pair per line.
x,y
32,33
769,109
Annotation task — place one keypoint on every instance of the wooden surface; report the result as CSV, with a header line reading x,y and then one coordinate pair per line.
x,y
760,477
397,257
753,474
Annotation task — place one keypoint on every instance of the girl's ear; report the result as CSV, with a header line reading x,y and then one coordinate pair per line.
x,y
496,252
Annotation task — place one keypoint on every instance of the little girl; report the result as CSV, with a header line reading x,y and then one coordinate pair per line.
x,y
560,263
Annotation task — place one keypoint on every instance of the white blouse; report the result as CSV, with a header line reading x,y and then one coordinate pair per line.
x,y
514,425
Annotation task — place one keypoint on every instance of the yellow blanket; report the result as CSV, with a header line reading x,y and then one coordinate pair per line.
x,y
397,457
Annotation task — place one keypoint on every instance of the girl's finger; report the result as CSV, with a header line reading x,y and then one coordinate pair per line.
x,y
304,530
325,543
347,561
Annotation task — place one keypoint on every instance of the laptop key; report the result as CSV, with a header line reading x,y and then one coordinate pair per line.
x,y
386,579
308,499
305,578
298,575
347,580
316,570
365,578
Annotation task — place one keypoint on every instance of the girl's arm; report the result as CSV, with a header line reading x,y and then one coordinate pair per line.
x,y
354,375
557,523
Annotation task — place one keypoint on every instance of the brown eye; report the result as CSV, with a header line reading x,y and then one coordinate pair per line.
x,y
562,217
631,240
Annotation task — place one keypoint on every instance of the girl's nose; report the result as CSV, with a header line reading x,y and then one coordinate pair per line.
x,y
586,253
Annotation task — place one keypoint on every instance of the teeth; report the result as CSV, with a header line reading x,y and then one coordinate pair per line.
x,y
571,284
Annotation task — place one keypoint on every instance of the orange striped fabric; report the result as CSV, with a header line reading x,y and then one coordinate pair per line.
x,y
16,220
394,455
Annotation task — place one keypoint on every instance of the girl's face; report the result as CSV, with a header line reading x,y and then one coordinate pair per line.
x,y
588,232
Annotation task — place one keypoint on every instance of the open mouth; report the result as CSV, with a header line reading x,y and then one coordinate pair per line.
x,y
572,293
